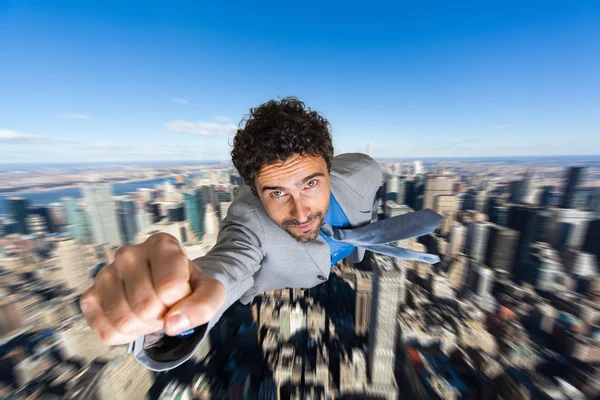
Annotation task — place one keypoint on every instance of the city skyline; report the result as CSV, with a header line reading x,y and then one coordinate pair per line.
x,y
87,85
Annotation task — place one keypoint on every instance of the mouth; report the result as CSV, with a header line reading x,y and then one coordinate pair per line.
x,y
306,226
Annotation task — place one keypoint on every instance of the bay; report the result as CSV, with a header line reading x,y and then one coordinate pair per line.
x,y
53,196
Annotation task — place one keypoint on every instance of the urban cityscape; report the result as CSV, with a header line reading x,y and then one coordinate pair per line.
x,y
512,310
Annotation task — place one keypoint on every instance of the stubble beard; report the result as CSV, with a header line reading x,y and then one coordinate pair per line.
x,y
305,237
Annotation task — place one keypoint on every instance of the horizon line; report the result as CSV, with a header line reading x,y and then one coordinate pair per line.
x,y
229,161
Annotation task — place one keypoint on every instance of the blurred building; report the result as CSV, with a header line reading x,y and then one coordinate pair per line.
x,y
572,181
102,213
501,249
387,282
195,209
18,207
437,185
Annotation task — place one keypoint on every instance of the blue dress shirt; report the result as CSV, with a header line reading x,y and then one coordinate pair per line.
x,y
336,217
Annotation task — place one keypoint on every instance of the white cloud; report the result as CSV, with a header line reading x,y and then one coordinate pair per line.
x,y
502,127
14,136
10,136
179,100
76,116
223,119
201,128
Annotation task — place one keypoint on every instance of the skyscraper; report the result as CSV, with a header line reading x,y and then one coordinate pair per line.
x,y
477,238
127,219
568,227
571,183
592,239
44,214
18,207
70,206
445,204
362,312
524,220
387,280
391,188
436,185
457,240
102,214
501,248
195,209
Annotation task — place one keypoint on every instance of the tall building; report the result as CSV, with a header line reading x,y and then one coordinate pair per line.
x,y
127,219
176,213
572,181
501,248
70,206
592,239
102,214
44,214
144,220
224,195
391,187
436,185
524,220
223,208
84,227
195,209
466,201
445,204
477,239
457,240
362,312
481,200
36,224
568,227
392,209
209,195
387,282
211,223
417,168
549,197
18,207
72,266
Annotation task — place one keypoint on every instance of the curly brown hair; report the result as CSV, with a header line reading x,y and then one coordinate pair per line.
x,y
276,130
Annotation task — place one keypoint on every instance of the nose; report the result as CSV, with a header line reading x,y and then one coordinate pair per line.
x,y
300,212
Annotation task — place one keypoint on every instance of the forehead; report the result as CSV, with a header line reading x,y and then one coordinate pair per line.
x,y
292,170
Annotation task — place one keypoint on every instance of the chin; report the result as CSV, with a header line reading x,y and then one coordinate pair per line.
x,y
304,237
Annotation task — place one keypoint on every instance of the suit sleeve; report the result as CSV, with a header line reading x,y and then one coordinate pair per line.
x,y
233,260
237,255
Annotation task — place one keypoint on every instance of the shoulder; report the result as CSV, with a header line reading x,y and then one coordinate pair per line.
x,y
245,209
356,166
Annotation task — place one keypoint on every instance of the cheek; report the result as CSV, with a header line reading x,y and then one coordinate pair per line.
x,y
277,212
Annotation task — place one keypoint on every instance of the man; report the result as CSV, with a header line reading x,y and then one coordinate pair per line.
x,y
281,230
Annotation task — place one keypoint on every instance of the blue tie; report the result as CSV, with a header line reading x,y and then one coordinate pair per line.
x,y
376,235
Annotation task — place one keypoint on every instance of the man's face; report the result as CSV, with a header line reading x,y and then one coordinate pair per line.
x,y
296,195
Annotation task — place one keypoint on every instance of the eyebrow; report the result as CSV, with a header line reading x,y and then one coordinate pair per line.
x,y
301,183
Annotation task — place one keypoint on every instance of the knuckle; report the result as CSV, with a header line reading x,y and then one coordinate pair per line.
x,y
107,336
104,275
147,308
125,255
167,241
87,300
169,286
126,323
172,290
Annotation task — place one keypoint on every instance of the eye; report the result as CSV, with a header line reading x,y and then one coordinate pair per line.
x,y
277,194
312,183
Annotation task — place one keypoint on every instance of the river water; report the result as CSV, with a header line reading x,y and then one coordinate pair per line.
x,y
52,196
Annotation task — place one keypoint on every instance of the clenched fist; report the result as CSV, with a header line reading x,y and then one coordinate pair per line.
x,y
150,286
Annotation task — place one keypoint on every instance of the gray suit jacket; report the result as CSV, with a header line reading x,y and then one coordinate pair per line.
x,y
253,254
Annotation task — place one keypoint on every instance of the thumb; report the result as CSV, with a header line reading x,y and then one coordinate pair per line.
x,y
208,295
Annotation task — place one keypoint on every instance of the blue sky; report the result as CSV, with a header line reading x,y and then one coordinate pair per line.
x,y
122,81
